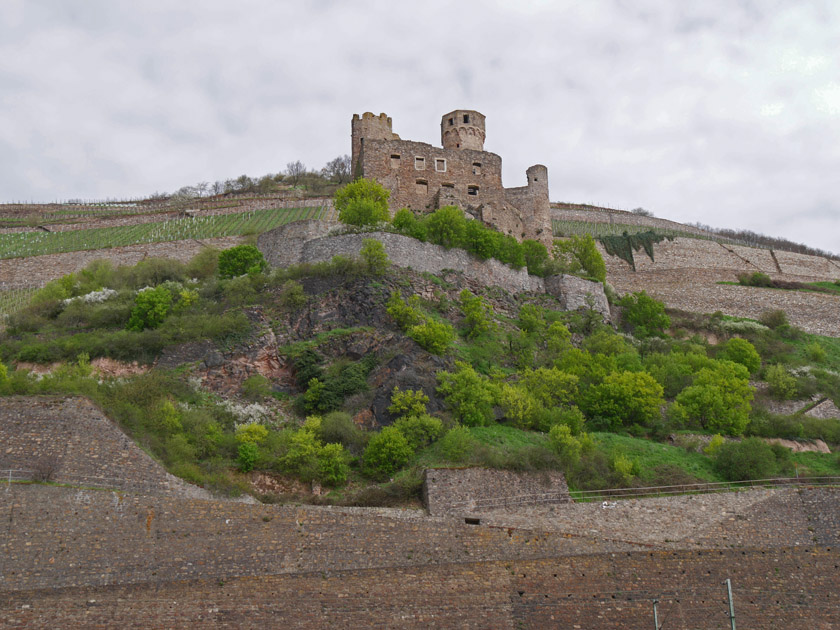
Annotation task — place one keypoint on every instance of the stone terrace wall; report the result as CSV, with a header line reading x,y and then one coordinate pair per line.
x,y
591,214
464,490
87,447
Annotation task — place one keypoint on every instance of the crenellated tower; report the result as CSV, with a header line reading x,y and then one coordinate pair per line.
x,y
371,127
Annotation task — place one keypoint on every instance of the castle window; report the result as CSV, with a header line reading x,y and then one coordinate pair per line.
x,y
472,190
476,168
421,187
440,165
395,161
451,121
447,185
419,163
466,118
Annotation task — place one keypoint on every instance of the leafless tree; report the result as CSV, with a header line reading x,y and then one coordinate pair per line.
x,y
294,171
338,170
46,467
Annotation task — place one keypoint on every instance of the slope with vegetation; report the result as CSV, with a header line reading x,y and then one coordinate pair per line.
x,y
356,375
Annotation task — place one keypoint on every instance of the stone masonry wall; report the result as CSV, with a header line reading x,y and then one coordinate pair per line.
x,y
464,490
85,445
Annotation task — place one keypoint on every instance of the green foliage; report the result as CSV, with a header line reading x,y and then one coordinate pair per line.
x,y
446,226
579,256
458,444
433,336
239,260
741,351
256,387
624,398
468,394
816,352
550,387
408,403
675,371
714,445
204,265
405,314
292,295
748,459
775,319
362,202
531,318
252,432
248,453
150,308
719,400
518,405
755,279
374,256
477,314
645,316
338,428
567,447
782,384
623,246
386,453
405,222
309,459
536,257
420,430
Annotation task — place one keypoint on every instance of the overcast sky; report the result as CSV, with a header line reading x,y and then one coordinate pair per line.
x,y
725,112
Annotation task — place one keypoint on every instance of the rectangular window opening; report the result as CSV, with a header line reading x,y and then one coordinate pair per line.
x,y
447,185
421,187
472,190
476,168
451,121
420,163
466,118
395,161
440,165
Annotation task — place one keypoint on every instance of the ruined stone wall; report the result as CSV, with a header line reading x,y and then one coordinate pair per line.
x,y
414,183
464,490
283,246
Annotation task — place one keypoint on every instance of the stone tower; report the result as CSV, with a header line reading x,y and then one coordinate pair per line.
x,y
368,127
462,129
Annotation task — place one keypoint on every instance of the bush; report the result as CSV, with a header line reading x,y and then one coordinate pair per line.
x,y
420,431
405,314
748,459
741,351
248,453
433,336
645,316
204,265
338,428
256,387
815,352
755,279
625,398
374,256
408,403
447,227
292,295
458,444
719,400
468,394
774,319
239,260
476,314
782,384
386,453
150,308
536,257
252,432
362,202
579,256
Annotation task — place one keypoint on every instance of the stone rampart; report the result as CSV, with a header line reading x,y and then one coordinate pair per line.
x,y
465,490
592,214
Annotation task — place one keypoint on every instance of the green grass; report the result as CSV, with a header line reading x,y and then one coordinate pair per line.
x,y
817,464
39,243
834,287
650,454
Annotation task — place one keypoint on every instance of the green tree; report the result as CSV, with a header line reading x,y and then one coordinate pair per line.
x,y
374,256
476,314
447,226
741,351
536,257
247,455
239,260
782,384
468,394
362,202
386,453
408,403
550,386
625,398
433,336
719,400
420,430
150,308
579,255
645,316
751,458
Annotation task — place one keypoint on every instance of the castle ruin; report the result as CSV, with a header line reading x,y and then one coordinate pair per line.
x,y
461,173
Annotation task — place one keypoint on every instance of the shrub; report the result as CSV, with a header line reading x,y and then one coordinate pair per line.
x,y
518,405
774,319
256,387
748,459
374,256
150,308
782,384
405,314
714,445
420,431
408,403
362,202
433,336
815,352
333,466
239,260
476,314
204,265
292,295
446,226
468,394
248,453
741,351
386,453
579,255
625,398
458,444
550,386
755,279
645,316
338,428
252,432
536,257
719,400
